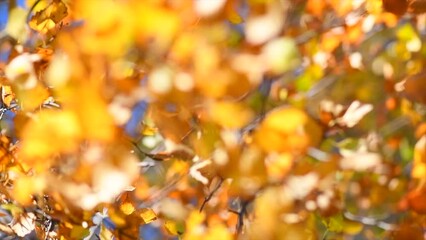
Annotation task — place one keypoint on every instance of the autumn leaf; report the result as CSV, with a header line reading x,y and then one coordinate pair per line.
x,y
50,133
287,129
397,7
212,119
220,112
48,18
148,215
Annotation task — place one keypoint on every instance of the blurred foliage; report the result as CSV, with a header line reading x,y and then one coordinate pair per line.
x,y
213,119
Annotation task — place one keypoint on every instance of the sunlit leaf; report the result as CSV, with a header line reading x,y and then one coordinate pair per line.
x,y
195,228
96,121
352,227
148,215
218,232
220,112
174,228
127,208
149,16
46,19
52,132
419,165
278,165
287,129
212,119
33,98
335,223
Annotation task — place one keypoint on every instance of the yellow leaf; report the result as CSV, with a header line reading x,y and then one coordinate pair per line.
x,y
206,60
127,208
419,165
285,119
218,231
174,227
195,218
182,48
148,215
230,114
149,17
26,186
287,129
352,228
96,121
46,19
268,207
33,98
51,132
278,165
111,33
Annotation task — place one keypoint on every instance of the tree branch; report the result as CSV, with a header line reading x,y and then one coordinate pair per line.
x,y
207,198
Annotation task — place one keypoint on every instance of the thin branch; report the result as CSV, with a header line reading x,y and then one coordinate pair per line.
x,y
207,199
241,214
155,157
158,195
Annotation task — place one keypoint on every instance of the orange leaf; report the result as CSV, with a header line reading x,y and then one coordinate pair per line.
x,y
287,129
417,200
316,7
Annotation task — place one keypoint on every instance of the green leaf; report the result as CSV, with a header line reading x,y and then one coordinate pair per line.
x,y
334,223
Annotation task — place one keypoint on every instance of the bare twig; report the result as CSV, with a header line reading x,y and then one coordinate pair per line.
x,y
156,196
208,197
153,156
241,214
